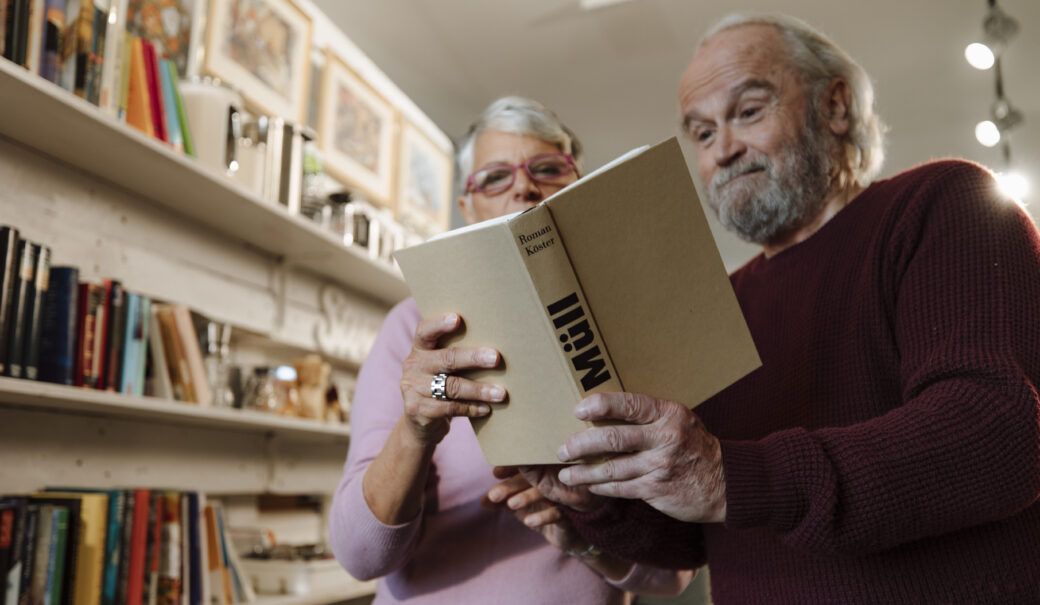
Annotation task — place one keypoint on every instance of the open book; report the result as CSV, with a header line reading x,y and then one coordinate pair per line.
x,y
612,284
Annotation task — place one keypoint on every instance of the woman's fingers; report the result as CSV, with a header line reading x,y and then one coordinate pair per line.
x,y
432,329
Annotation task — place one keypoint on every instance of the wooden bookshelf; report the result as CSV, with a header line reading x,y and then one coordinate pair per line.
x,y
53,121
44,396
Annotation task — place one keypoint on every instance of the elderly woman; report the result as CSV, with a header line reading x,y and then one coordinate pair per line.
x,y
409,506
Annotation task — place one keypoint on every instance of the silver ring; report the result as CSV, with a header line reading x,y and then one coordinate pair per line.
x,y
439,386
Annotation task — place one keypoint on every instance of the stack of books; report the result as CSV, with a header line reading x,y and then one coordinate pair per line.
x,y
127,547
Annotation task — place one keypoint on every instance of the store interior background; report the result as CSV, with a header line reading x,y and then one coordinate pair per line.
x,y
611,72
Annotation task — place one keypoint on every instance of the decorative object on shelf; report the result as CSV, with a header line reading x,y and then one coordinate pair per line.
x,y
215,114
286,391
218,363
250,156
262,47
313,200
356,131
424,185
342,331
260,392
172,26
313,376
283,166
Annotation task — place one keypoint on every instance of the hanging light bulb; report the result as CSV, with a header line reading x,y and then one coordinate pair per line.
x,y
979,56
987,133
1014,185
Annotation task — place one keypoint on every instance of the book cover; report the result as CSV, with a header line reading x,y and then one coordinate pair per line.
x,y
67,77
69,551
89,304
8,276
58,326
113,546
56,584
139,102
11,582
37,296
155,96
10,510
192,351
131,343
182,116
141,337
218,580
19,313
159,378
176,360
96,56
112,67
89,511
43,552
116,338
54,25
646,293
125,545
152,550
34,36
172,121
125,69
170,561
84,40
29,537
111,291
138,548
198,568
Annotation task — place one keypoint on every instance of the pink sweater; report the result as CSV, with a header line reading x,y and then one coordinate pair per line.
x,y
456,551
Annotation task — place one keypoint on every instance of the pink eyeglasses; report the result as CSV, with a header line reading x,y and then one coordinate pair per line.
x,y
545,168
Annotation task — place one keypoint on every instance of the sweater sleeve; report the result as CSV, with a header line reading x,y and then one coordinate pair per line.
x,y
962,448
634,531
364,546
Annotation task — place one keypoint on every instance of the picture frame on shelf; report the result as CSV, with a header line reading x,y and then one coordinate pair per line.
x,y
424,189
172,26
271,75
357,132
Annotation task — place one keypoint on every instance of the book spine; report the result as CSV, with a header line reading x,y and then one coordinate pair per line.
x,y
8,275
12,580
8,514
97,50
54,24
182,116
103,333
131,332
138,548
169,592
41,555
56,566
19,308
143,338
35,313
544,254
58,326
113,546
34,36
67,78
111,70
125,546
189,339
173,128
84,38
116,339
32,528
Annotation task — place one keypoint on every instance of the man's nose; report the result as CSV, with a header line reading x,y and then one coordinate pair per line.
x,y
727,148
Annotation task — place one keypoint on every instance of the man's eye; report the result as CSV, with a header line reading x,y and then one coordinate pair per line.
x,y
702,136
749,112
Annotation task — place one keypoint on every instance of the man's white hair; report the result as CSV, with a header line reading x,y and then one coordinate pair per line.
x,y
819,60
517,115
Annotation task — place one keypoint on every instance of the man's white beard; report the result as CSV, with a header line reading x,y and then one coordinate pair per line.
x,y
796,187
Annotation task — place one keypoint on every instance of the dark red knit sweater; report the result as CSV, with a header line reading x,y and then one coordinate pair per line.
x,y
888,449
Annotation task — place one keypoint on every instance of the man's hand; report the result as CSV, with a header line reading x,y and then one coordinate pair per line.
x,y
664,456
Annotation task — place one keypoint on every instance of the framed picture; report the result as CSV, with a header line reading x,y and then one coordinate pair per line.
x,y
424,186
356,132
172,26
262,48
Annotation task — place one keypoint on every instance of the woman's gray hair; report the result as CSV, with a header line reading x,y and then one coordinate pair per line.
x,y
820,61
517,115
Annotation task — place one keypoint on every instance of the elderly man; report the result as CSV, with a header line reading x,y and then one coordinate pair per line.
x,y
887,451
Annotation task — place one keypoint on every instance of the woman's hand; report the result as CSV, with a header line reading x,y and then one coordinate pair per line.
x,y
533,510
428,418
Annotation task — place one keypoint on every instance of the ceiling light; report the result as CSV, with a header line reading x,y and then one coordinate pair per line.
x,y
987,133
979,56
1014,185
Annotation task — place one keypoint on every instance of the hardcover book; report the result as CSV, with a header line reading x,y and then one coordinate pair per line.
x,y
91,296
19,313
88,526
58,327
38,293
612,284
8,270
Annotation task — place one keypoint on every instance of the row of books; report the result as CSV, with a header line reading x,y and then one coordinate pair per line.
x,y
127,547
84,47
95,335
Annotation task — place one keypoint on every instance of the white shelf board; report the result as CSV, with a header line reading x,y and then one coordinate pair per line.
x,y
41,115
29,394
362,589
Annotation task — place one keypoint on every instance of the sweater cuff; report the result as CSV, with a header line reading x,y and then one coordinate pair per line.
x,y
389,541
756,493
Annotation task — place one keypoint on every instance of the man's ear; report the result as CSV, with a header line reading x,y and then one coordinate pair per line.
x,y
838,101
466,209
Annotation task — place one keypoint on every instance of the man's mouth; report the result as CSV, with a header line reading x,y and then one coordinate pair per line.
x,y
749,171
